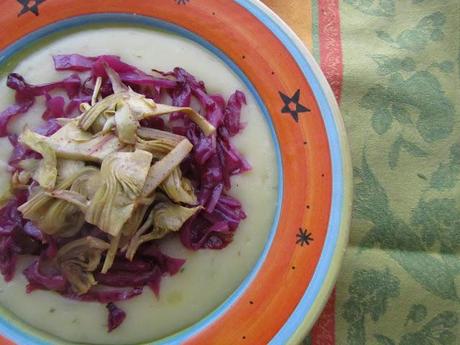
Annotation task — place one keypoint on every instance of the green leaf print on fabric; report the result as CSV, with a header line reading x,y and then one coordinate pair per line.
x,y
369,292
387,65
379,8
448,173
383,340
403,144
400,240
428,29
437,331
445,66
416,314
421,94
438,220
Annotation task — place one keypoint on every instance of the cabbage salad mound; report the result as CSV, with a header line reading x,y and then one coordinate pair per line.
x,y
123,160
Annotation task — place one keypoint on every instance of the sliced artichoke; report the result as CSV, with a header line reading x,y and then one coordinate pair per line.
x,y
156,134
163,168
68,168
111,253
140,105
20,180
169,217
97,88
70,142
158,147
135,221
92,114
71,197
126,125
158,143
52,215
165,217
162,109
78,259
31,164
117,85
178,188
46,173
123,176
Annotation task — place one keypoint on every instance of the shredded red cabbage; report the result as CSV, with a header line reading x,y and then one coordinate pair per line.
x,y
20,107
116,316
210,165
38,280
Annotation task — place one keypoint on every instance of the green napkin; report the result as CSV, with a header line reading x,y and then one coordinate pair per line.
x,y
400,281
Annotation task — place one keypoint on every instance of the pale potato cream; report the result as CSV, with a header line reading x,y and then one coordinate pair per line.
x,y
209,276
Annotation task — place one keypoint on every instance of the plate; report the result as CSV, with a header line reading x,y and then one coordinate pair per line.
x,y
281,298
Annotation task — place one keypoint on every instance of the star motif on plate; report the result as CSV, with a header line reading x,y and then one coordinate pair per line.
x,y
292,105
182,2
29,6
304,237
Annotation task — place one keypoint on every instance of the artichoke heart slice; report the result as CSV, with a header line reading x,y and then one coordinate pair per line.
x,y
164,218
178,188
169,217
157,142
46,173
156,134
135,221
68,168
52,215
111,253
123,176
90,116
163,168
70,142
162,109
157,147
126,124
78,259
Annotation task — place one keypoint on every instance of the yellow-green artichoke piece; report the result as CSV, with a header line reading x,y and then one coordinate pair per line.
x,y
157,142
123,175
117,85
135,221
78,259
163,168
158,147
169,217
164,218
140,105
71,197
68,168
46,173
97,88
126,124
111,253
89,117
178,188
156,134
162,109
20,180
54,216
70,142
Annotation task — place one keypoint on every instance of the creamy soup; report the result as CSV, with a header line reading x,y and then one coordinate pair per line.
x,y
209,276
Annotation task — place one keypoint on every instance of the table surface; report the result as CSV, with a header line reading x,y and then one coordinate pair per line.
x,y
394,66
